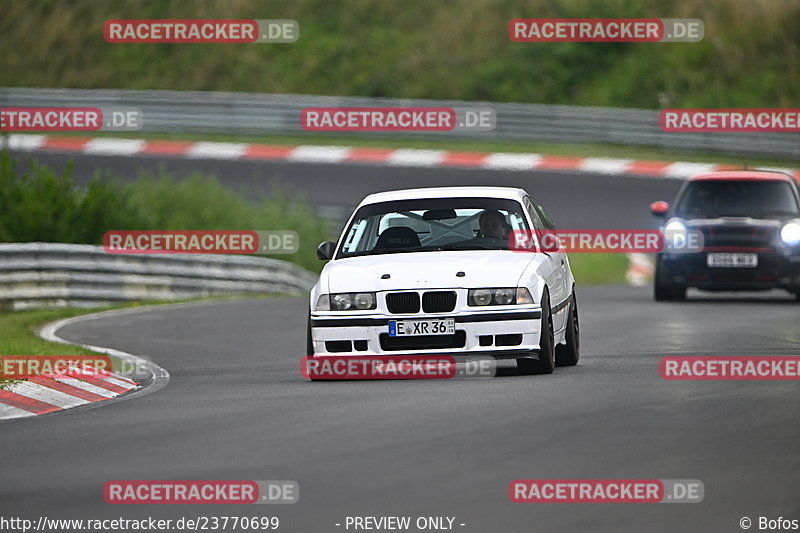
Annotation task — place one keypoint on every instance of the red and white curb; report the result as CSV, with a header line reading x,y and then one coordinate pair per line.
x,y
50,394
402,157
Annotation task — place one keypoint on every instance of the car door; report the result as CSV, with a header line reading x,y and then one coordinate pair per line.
x,y
555,273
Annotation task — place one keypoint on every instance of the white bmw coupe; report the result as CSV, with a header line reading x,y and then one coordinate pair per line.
x,y
434,272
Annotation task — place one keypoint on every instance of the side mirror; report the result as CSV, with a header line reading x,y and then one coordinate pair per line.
x,y
659,209
325,250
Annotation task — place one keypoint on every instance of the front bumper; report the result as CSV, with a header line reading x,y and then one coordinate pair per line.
x,y
774,271
500,334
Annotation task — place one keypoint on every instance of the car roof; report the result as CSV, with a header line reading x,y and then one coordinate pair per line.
x,y
510,193
751,175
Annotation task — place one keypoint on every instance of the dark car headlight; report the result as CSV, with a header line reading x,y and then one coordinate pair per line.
x,y
346,301
499,296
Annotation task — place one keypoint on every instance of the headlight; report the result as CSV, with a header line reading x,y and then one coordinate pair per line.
x,y
352,300
501,296
364,300
790,232
675,233
479,297
341,302
504,296
675,226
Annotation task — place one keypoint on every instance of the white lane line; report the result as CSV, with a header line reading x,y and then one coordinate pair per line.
x,y
603,165
416,158
114,146
503,161
23,142
213,150
46,394
319,154
682,170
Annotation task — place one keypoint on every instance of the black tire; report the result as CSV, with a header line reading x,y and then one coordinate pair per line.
x,y
309,342
666,292
310,347
547,354
568,354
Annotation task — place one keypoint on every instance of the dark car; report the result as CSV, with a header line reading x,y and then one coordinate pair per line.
x,y
749,222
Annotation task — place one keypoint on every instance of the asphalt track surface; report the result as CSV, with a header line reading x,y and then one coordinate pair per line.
x,y
237,408
575,200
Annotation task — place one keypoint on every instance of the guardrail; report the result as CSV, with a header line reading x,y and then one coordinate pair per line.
x,y
34,275
245,113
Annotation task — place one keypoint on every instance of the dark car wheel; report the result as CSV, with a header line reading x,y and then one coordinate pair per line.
x,y
569,353
664,291
547,355
309,343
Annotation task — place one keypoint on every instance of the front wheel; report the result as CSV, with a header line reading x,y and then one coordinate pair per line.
x,y
309,342
569,353
547,356
666,292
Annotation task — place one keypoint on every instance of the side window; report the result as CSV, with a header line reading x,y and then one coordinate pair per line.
x,y
548,222
538,224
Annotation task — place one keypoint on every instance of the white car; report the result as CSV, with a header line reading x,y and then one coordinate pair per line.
x,y
431,271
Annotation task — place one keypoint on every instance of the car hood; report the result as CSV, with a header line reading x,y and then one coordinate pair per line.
x,y
426,270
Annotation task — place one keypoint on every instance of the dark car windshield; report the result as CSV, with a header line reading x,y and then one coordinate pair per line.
x,y
736,198
432,224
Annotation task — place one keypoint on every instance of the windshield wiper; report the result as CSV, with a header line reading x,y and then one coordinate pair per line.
x,y
458,247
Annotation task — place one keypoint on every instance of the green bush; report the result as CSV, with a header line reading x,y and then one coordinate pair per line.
x,y
420,49
37,204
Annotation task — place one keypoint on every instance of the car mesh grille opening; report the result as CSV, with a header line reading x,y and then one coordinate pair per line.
x,y
439,301
338,346
511,339
402,302
423,342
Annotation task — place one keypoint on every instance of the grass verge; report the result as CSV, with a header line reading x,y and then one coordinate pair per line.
x,y
598,269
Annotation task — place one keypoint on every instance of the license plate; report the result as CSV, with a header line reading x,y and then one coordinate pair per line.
x,y
411,328
732,260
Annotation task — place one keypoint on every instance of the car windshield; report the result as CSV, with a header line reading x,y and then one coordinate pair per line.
x,y
426,225
736,198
